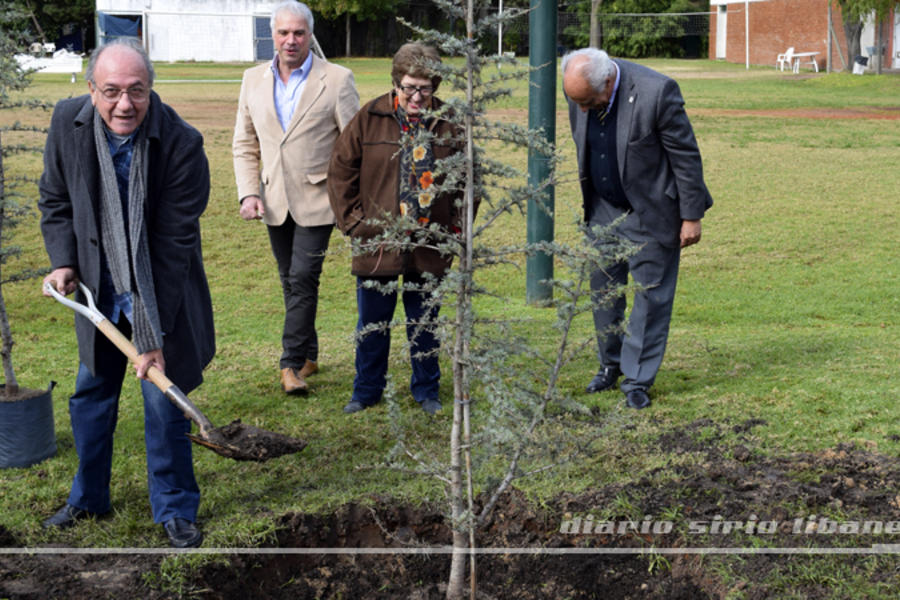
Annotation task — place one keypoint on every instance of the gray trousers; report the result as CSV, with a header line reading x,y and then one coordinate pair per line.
x,y
299,252
639,350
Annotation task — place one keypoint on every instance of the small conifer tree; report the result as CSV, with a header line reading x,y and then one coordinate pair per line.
x,y
499,366
15,202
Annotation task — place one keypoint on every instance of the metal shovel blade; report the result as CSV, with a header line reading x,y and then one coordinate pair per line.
x,y
245,442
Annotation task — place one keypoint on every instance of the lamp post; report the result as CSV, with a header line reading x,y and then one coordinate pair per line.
x,y
541,114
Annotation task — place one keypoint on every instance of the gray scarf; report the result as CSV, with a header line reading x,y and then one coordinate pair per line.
x,y
119,256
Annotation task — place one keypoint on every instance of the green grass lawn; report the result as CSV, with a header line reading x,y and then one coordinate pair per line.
x,y
787,311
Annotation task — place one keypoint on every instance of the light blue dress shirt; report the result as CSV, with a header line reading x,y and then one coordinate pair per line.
x,y
288,94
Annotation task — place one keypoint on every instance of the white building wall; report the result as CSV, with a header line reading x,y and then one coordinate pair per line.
x,y
172,37
896,64
201,30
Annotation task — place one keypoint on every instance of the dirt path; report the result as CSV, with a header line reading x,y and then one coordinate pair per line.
x,y
868,112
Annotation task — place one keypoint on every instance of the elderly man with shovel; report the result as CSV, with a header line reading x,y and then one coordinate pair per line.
x,y
125,182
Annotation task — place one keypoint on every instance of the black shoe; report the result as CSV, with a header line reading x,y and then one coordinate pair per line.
x,y
637,399
432,406
67,516
354,407
182,533
605,379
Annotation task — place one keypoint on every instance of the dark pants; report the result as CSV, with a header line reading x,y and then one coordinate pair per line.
x,y
639,351
373,348
94,410
299,252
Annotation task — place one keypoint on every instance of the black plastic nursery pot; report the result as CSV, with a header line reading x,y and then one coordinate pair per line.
x,y
27,435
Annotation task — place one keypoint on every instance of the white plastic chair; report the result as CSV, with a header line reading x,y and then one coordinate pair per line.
x,y
785,59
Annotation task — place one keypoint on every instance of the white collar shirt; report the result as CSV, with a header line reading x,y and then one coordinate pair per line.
x,y
287,95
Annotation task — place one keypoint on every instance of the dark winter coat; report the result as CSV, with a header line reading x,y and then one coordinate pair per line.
x,y
364,183
177,194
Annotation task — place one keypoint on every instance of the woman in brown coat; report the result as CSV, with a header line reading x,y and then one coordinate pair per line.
x,y
380,148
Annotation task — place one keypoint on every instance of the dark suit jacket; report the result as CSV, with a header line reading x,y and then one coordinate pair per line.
x,y
178,191
658,159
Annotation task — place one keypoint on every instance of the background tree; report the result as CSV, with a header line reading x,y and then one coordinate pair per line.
x,y
596,32
80,13
361,10
43,20
635,36
15,203
854,14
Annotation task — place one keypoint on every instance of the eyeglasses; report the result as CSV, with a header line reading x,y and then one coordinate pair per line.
x,y
410,90
136,94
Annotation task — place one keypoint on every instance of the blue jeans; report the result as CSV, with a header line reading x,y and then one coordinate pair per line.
x,y
373,348
93,409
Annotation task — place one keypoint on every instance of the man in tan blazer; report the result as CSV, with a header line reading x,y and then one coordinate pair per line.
x,y
289,115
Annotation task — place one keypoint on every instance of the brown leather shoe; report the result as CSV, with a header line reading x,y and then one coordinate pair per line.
x,y
292,382
309,368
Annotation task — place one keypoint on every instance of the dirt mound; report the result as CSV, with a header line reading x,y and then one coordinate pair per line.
x,y
516,524
631,540
77,577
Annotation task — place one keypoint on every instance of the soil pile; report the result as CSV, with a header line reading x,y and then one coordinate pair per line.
x,y
598,544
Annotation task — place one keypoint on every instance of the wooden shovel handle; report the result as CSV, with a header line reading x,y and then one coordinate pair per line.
x,y
112,332
157,377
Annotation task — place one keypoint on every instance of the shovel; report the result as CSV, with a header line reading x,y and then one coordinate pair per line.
x,y
235,440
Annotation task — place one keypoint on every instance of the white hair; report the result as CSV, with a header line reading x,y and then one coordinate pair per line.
x,y
596,69
298,9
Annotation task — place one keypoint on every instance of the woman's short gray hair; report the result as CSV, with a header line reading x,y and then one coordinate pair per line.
x,y
298,9
416,59
596,69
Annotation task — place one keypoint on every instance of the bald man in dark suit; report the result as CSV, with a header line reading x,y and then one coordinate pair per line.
x,y
638,157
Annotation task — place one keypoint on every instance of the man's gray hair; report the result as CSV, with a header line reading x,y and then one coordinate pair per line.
x,y
596,69
298,9
127,42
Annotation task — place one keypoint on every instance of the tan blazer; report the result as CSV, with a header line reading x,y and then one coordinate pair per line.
x,y
294,162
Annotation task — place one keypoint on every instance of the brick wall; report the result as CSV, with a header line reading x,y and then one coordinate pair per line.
x,y
777,24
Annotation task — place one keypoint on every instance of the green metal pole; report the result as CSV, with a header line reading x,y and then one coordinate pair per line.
x,y
541,114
